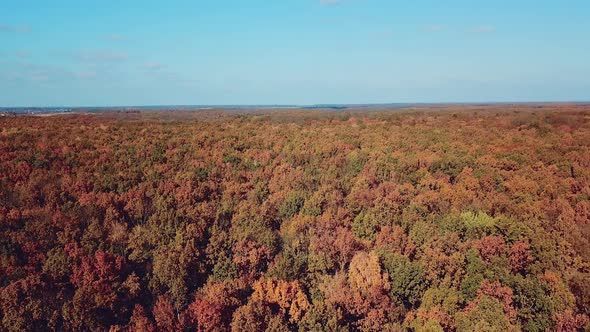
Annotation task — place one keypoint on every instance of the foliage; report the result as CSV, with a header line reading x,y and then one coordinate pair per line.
x,y
455,219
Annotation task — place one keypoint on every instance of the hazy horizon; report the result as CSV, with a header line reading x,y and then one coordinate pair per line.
x,y
293,106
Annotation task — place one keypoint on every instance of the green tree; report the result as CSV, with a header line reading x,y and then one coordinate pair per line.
x,y
408,283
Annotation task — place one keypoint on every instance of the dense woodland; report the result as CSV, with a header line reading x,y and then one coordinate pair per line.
x,y
458,219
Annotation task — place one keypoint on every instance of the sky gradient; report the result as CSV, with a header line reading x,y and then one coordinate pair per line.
x,y
180,52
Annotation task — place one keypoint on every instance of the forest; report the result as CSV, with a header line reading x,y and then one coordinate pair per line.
x,y
457,218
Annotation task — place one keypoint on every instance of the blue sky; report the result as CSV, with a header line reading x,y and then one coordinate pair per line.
x,y
147,52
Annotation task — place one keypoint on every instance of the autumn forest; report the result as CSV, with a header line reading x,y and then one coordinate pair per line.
x,y
451,218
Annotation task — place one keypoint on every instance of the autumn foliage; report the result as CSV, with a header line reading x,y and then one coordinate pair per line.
x,y
456,219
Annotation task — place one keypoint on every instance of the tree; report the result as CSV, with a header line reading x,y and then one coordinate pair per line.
x,y
490,247
165,315
520,256
484,314
407,278
580,286
140,321
288,296
365,275
569,322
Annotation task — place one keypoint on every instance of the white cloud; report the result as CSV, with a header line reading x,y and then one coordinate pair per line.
x,y
39,77
152,66
434,28
115,37
41,73
15,28
483,29
329,2
86,74
384,34
102,56
22,54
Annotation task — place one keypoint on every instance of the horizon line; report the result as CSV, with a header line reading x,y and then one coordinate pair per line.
x,y
306,105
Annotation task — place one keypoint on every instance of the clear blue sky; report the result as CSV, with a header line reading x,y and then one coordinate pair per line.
x,y
147,52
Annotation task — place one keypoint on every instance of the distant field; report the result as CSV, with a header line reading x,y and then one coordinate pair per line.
x,y
363,218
